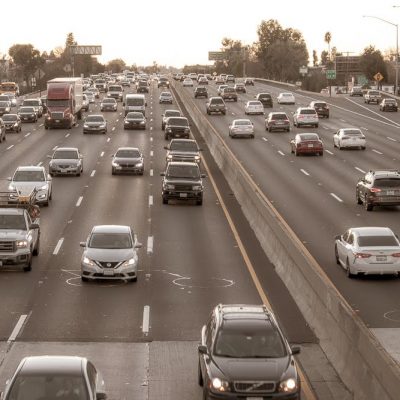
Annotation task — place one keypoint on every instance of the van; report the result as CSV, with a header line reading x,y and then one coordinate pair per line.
x,y
135,102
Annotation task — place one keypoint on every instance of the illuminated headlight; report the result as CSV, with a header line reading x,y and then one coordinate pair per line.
x,y
197,158
7,109
169,130
16,124
102,125
115,164
88,261
129,263
169,156
288,386
86,126
220,385
196,187
170,187
126,122
141,122
139,164
44,187
21,244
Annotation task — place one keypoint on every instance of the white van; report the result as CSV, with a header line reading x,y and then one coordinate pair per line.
x,y
135,102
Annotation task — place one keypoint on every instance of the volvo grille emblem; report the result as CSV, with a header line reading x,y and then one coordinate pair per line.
x,y
108,265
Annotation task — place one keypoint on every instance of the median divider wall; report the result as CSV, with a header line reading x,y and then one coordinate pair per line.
x,y
363,365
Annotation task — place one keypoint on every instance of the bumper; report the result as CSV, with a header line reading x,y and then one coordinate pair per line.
x,y
279,127
170,194
350,144
94,130
313,150
128,170
323,113
167,101
255,111
243,396
21,257
376,269
96,272
177,134
28,119
217,110
12,128
57,123
65,171
108,108
134,126
233,98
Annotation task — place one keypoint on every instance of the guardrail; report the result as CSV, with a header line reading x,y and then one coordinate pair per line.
x,y
363,365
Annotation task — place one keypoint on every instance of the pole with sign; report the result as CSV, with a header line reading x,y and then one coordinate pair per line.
x,y
330,75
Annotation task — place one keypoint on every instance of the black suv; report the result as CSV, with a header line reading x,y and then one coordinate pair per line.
x,y
216,104
182,181
177,127
200,92
163,82
142,87
321,107
265,98
379,188
183,150
243,355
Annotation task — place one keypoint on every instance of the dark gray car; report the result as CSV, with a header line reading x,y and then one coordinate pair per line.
x,y
128,160
135,120
66,161
94,124
183,150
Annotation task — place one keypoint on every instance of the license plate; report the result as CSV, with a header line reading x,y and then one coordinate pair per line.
x,y
182,194
108,272
279,123
310,145
381,258
25,118
254,398
390,192
57,121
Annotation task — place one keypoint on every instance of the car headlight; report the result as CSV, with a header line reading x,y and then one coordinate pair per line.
x,y
139,164
129,263
220,385
170,187
169,130
102,125
85,125
288,386
115,164
21,244
88,261
169,156
11,186
197,158
44,187
141,122
16,124
186,130
7,109
196,187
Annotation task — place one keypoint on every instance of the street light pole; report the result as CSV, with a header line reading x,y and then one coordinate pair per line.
x,y
396,85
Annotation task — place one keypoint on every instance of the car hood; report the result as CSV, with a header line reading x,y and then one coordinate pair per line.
x,y
26,188
182,181
94,123
11,234
127,160
112,255
183,153
60,161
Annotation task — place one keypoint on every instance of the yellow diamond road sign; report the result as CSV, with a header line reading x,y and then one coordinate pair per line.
x,y
378,76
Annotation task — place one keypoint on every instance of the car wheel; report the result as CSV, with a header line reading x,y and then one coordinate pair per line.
x,y
84,279
28,267
358,200
252,136
363,147
337,256
112,171
199,376
368,206
133,279
316,125
321,153
36,250
164,200
349,273
339,146
199,202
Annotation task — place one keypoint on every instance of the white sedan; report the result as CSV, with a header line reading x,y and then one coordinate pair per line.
x,y
350,138
187,82
286,98
254,107
241,127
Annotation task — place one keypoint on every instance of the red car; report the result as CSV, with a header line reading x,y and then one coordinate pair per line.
x,y
307,143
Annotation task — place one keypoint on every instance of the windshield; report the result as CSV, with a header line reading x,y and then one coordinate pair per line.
x,y
254,342
27,110
29,176
134,115
128,153
135,102
4,103
172,113
12,222
217,101
307,112
66,154
49,386
387,183
254,103
309,137
9,117
10,87
109,101
178,121
183,171
33,103
183,146
354,132
372,241
110,241
57,103
94,118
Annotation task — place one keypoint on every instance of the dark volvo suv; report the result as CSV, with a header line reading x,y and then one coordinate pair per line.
x,y
243,354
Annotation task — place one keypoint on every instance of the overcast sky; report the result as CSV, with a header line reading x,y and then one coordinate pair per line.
x,y
179,32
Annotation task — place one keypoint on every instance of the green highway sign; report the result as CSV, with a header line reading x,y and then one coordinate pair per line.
x,y
331,74
216,55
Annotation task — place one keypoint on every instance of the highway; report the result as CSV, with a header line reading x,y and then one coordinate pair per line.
x,y
143,336
316,195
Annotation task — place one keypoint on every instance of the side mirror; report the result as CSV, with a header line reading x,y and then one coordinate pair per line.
x,y
162,174
202,349
82,244
166,148
138,245
338,237
203,176
34,226
295,349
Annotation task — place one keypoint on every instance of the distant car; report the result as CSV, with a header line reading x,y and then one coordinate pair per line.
x,y
349,138
372,96
307,143
368,251
185,150
202,80
167,114
241,127
125,82
66,161
165,97
115,92
356,91
219,80
249,82
163,82
229,93
5,107
286,98
265,98
388,105
277,121
221,88
324,91
200,91
95,91
12,122
321,107
253,107
36,104
55,377
12,98
108,104
177,127
95,123
85,103
379,188
27,114
240,88
230,78
110,253
90,96
305,116
215,105
127,160
187,82
135,120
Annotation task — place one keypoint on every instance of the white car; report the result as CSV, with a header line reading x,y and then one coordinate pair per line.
x,y
221,89
286,98
368,250
187,82
254,107
165,97
305,116
241,127
349,138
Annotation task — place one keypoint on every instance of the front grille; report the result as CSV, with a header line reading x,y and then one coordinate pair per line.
x,y
108,264
57,115
183,188
254,387
7,246
64,166
127,165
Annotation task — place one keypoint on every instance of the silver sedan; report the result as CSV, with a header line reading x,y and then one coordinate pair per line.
x,y
241,127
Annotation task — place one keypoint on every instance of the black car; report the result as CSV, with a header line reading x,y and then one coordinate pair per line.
x,y
321,107
200,91
265,98
243,354
167,114
379,188
5,107
183,150
249,82
142,87
163,82
182,181
177,127
134,120
12,122
27,114
128,160
388,105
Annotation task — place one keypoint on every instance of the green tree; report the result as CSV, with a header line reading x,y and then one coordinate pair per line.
x,y
117,65
327,39
324,57
371,62
234,54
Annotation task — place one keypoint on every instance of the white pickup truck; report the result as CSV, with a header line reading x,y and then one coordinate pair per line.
x,y
372,96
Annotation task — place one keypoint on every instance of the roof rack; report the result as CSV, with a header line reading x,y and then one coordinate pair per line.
x,y
14,199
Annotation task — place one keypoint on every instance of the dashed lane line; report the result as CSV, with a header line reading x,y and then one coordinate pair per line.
x,y
10,147
146,320
304,172
150,244
150,200
329,152
336,197
78,203
151,172
393,140
58,246
377,152
93,173
17,328
102,154
281,152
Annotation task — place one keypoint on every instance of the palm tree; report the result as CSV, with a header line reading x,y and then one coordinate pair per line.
x,y
327,39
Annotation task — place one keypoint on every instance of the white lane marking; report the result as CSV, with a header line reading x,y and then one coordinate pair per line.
x,y
342,120
336,197
40,125
108,140
329,152
325,127
58,246
17,327
265,139
150,243
151,153
150,200
151,119
359,169
146,320
27,134
120,113
39,163
117,120
151,139
55,147
102,154
151,112
10,147
78,203
113,129
92,174
67,134
281,153
304,172
151,172
151,128
377,152
393,140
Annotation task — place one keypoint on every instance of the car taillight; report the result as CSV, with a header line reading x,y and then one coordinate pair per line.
x,y
362,255
396,255
375,190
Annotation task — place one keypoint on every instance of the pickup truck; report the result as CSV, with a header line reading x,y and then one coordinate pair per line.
x,y
229,93
19,231
372,96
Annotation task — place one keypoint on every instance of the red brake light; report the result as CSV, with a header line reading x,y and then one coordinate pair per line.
x,y
396,255
375,190
362,255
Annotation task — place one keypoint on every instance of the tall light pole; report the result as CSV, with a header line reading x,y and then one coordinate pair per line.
x,y
397,48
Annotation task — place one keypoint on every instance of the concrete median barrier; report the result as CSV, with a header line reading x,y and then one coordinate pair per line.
x,y
364,366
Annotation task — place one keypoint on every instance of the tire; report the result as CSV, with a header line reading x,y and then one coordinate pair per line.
x,y
367,206
84,279
28,267
358,200
164,200
252,136
316,125
199,202
321,153
199,375
363,147
36,250
348,270
112,171
133,279
208,112
337,256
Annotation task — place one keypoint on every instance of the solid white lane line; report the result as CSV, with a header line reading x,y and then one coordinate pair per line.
x,y
108,140
150,243
39,163
151,153
146,320
10,147
359,169
151,139
336,197
58,246
265,139
151,172
304,172
377,152
92,174
78,203
329,152
40,125
281,153
150,200
113,129
325,127
393,140
67,134
342,120
120,113
27,134
102,154
17,327
54,148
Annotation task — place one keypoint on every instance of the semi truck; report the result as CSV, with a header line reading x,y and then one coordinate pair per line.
x,y
64,102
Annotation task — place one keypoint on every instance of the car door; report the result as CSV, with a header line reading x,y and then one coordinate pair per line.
x,y
207,340
33,234
342,246
336,138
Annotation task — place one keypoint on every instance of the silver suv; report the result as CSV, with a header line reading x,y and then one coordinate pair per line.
x,y
305,116
36,104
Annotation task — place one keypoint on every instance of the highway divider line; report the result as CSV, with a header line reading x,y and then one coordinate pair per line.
x,y
361,170
393,140
17,328
78,203
304,172
27,134
146,320
150,244
93,173
336,197
58,246
10,147
150,200
151,172
377,152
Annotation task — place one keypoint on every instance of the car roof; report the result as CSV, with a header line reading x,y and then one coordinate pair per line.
x,y
128,148
95,115
11,211
67,149
306,108
168,111
372,231
49,365
30,168
183,140
244,311
111,229
242,120
183,163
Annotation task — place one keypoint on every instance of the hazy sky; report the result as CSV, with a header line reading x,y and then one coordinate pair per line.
x,y
178,32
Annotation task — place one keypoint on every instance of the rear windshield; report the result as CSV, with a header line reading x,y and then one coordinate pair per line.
x,y
95,118
115,89
309,137
279,116
264,96
111,101
184,146
242,123
387,183
10,117
307,112
354,132
374,93
319,104
172,113
217,101
135,102
372,241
